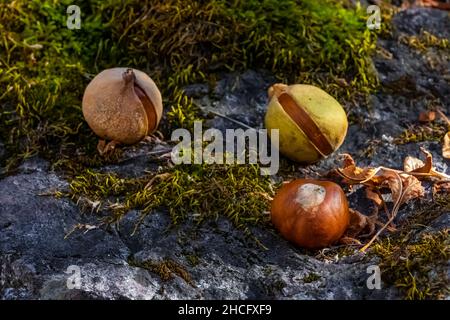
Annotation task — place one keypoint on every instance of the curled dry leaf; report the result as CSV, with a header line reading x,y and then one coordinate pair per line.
x,y
403,185
374,177
404,188
374,196
360,225
412,164
348,241
446,146
355,175
393,181
412,188
420,169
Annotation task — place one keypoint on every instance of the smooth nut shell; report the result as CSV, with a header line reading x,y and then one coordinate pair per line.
x,y
327,114
113,109
311,227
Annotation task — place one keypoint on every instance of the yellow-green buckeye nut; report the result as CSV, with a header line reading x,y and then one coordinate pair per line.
x,y
311,123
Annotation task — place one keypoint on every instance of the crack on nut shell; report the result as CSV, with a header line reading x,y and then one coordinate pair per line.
x,y
310,195
305,123
149,108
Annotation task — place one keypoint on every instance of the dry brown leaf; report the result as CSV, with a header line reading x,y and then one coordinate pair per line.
x,y
412,164
427,116
433,4
412,188
348,160
359,223
374,196
394,183
446,146
354,174
404,187
423,170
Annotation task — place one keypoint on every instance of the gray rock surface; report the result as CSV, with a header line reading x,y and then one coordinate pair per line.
x,y
36,258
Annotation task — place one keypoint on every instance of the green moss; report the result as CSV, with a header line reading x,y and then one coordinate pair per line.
x,y
369,151
98,186
424,41
183,112
417,265
43,72
425,132
201,192
298,41
273,287
44,66
419,268
193,259
166,269
387,11
442,200
311,277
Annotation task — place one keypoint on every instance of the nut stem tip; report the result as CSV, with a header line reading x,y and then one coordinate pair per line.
x,y
128,76
277,89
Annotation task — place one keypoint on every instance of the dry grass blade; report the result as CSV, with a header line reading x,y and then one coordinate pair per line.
x,y
446,146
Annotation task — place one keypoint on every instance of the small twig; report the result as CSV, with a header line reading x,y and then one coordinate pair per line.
x,y
443,116
161,176
233,120
81,226
168,150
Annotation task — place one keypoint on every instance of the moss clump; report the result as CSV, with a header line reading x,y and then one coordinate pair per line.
x,y
442,200
98,186
193,259
183,112
166,269
426,132
418,268
424,41
44,66
387,11
201,192
302,41
311,277
43,72
274,286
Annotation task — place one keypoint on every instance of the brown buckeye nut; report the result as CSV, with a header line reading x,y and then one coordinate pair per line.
x,y
312,214
122,105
